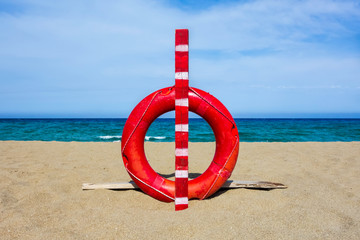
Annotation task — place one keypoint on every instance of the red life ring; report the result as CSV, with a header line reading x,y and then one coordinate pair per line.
x,y
201,103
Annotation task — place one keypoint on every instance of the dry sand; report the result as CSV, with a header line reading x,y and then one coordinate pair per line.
x,y
41,196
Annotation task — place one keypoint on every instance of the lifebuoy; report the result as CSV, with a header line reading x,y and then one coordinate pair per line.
x,y
201,103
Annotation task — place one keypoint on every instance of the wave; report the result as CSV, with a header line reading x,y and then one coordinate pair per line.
x,y
109,137
148,138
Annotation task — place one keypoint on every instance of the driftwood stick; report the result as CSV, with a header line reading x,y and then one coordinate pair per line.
x,y
115,185
253,184
227,184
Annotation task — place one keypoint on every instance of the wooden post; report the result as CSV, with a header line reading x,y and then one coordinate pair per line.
x,y
181,117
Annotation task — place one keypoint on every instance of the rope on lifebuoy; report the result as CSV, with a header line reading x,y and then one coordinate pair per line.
x,y
147,184
222,169
140,120
191,89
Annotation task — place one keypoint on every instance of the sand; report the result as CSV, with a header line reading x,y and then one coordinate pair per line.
x,y
41,196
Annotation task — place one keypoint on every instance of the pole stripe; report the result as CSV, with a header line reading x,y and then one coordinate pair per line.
x,y
181,152
181,173
182,75
182,102
182,48
182,127
181,200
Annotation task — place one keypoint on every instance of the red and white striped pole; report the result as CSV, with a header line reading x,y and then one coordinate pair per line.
x,y
181,117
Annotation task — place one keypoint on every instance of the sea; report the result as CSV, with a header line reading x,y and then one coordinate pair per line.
x,y
163,130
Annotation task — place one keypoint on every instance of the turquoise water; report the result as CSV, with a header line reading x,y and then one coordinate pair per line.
x,y
162,130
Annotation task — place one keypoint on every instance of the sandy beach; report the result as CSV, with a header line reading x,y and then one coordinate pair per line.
x,y
41,195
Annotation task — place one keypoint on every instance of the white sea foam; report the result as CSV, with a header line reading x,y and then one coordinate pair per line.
x,y
147,138
109,137
162,137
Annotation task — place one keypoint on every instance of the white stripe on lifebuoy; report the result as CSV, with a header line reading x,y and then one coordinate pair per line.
x,y
181,200
182,75
182,48
182,102
181,174
181,152
181,127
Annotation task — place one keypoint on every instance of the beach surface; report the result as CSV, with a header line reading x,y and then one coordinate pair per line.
x,y
41,195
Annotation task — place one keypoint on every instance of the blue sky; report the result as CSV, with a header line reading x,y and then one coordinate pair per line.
x,y
100,58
